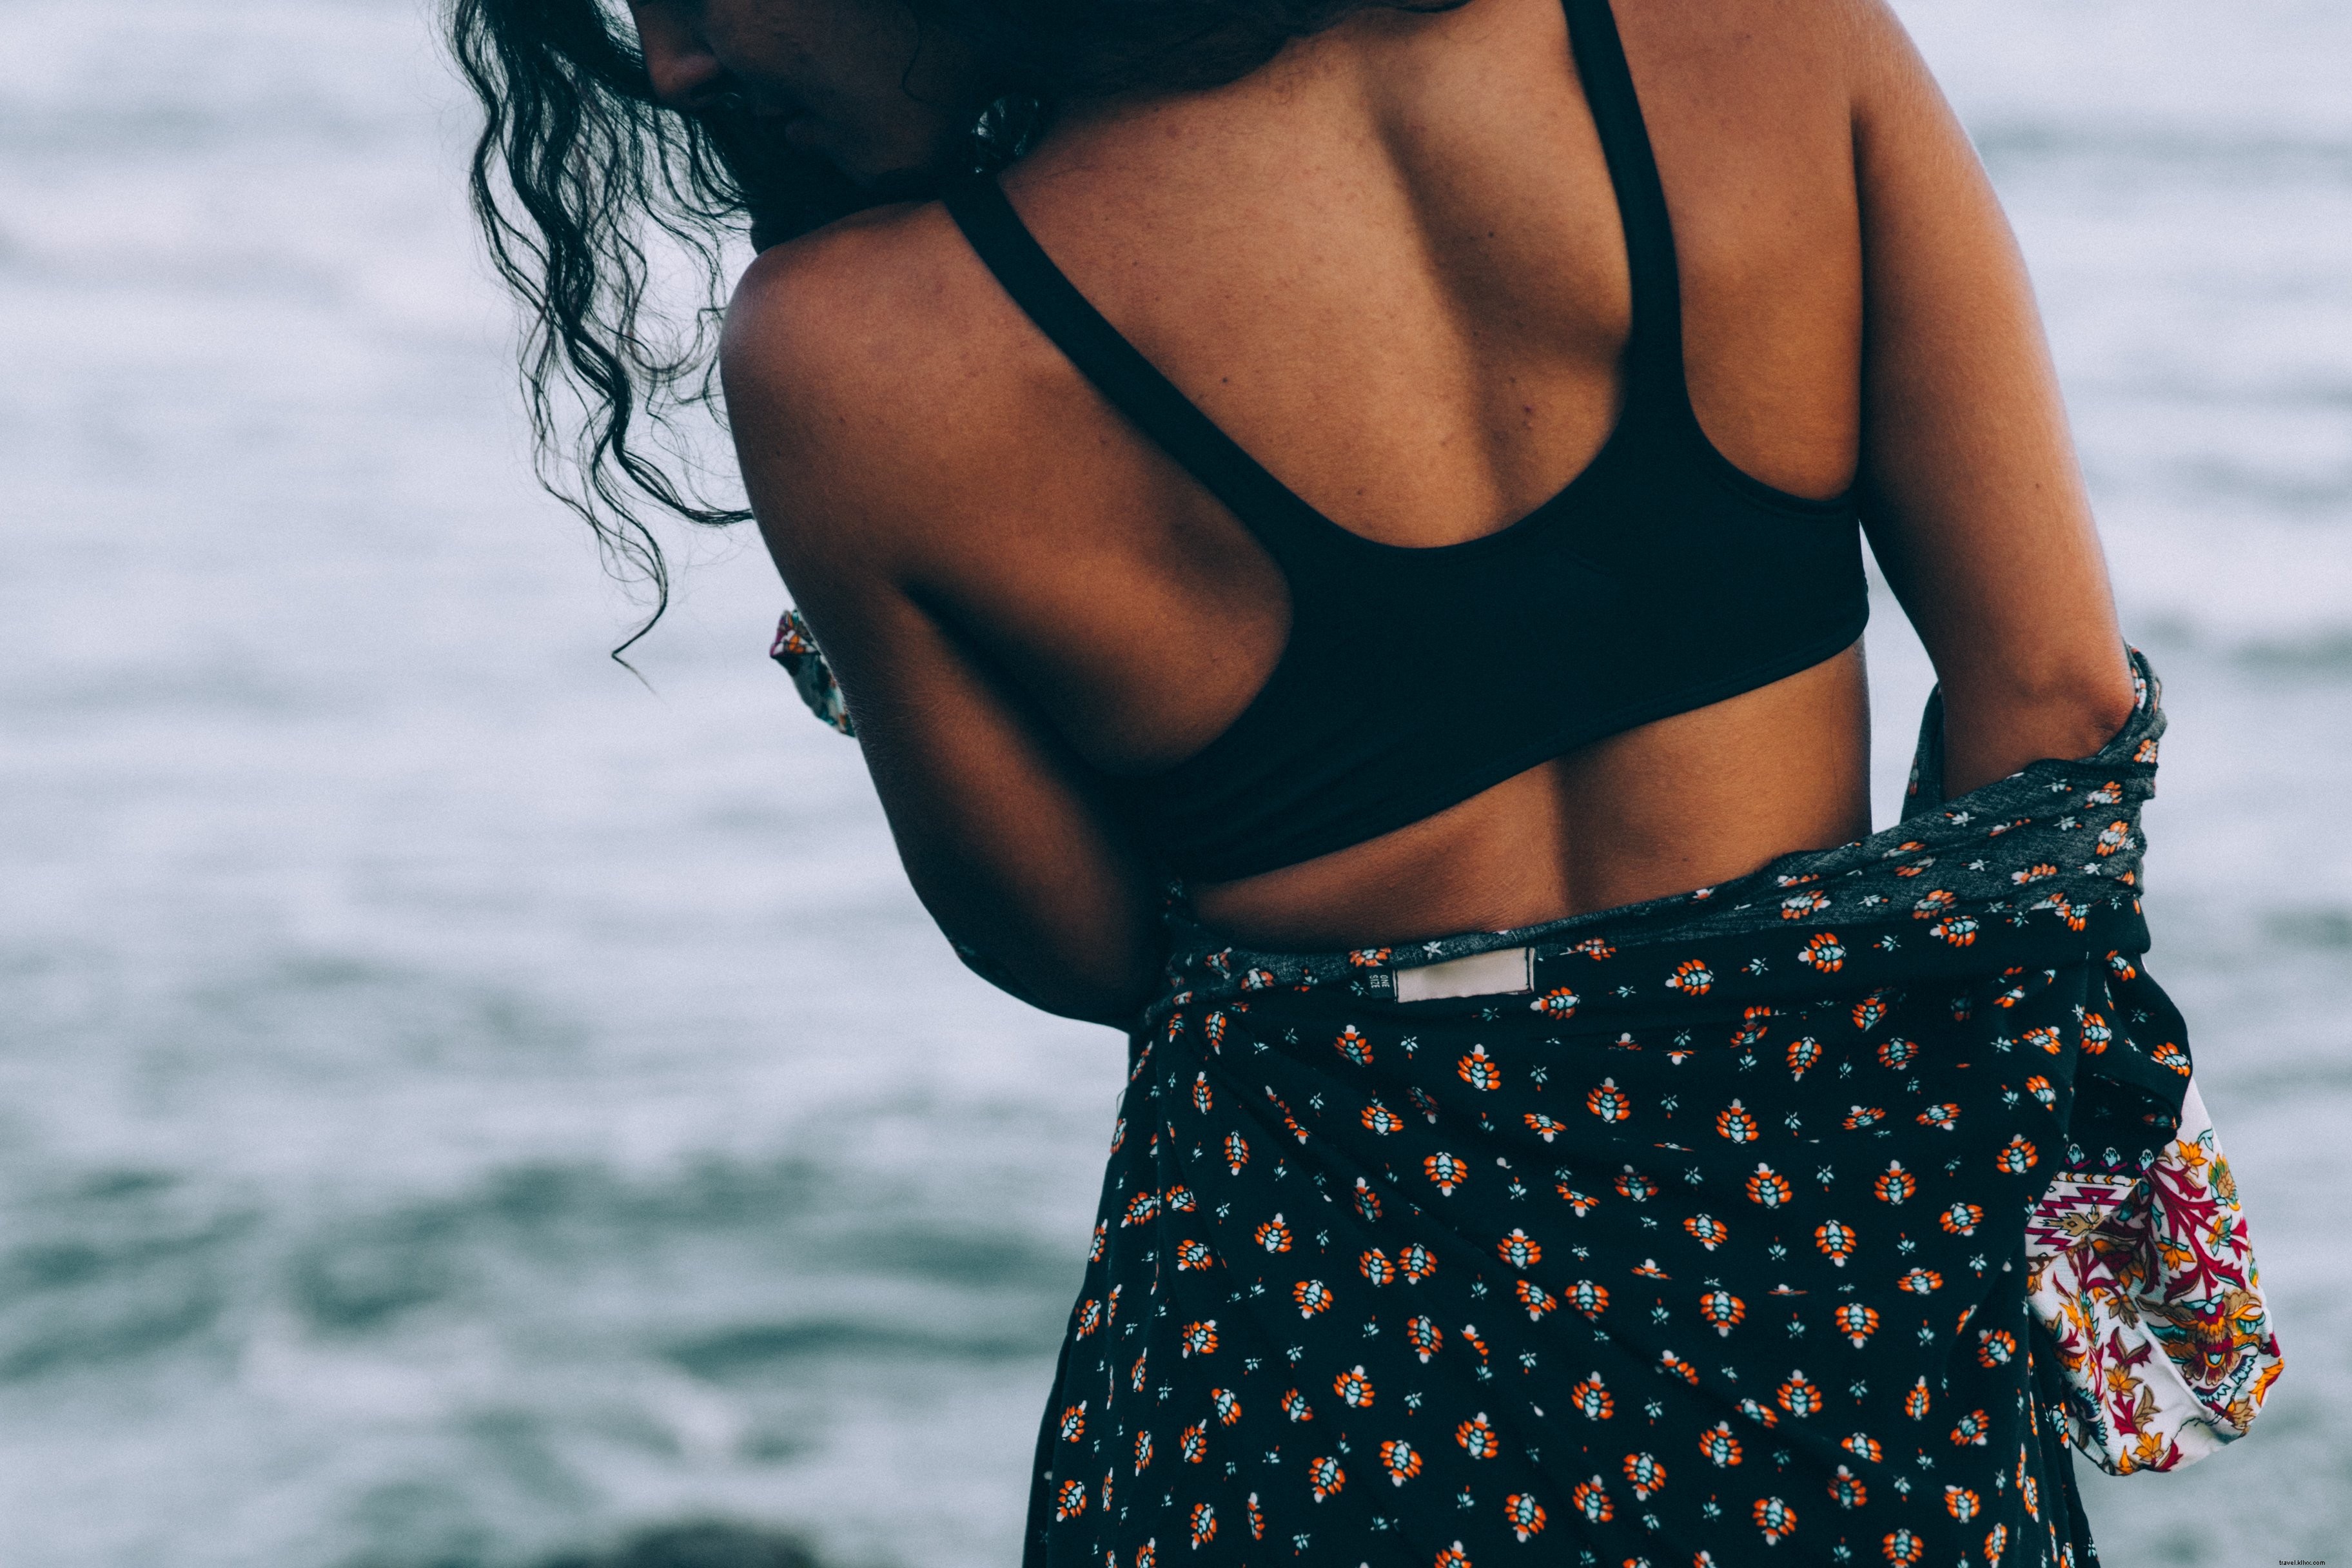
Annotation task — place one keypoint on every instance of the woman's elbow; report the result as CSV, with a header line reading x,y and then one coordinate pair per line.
x,y
2063,709
1093,993
1096,982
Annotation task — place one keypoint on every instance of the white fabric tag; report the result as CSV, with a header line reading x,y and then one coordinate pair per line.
x,y
1480,974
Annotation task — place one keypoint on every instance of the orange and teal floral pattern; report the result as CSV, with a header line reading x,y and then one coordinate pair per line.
x,y
795,648
1741,1236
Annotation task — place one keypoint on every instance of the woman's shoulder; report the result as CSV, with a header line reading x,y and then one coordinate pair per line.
x,y
878,334
1741,52
857,307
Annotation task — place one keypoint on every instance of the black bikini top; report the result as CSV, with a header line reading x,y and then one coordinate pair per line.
x,y
1661,579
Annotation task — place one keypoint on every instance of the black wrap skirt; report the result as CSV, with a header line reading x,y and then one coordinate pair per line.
x,y
1694,1234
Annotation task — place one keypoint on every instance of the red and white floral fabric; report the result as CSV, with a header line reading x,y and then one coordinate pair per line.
x,y
2146,1283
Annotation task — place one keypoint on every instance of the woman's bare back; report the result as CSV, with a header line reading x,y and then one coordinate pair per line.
x,y
1390,265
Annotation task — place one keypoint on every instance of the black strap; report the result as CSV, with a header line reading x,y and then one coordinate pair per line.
x,y
1657,346
1284,522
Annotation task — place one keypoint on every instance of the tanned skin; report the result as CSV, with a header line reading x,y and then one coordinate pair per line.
x,y
1390,265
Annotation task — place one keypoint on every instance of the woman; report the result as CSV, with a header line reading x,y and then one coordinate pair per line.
x,y
1390,473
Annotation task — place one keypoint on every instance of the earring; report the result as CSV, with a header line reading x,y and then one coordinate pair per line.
x,y
1003,131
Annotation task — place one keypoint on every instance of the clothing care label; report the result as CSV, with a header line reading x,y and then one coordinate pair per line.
x,y
1480,974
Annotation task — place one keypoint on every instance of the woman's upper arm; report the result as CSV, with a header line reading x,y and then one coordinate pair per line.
x,y
1973,498
997,822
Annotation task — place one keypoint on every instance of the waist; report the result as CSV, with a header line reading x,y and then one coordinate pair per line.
x,y
1757,776
2028,869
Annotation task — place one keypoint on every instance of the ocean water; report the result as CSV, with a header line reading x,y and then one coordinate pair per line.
x,y
458,1105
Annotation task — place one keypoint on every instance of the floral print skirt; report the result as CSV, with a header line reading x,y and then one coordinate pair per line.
x,y
1697,1232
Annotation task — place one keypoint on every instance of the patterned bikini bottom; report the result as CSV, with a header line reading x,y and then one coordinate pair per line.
x,y
1818,1211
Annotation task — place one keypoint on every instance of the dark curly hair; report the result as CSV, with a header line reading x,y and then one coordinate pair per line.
x,y
581,180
